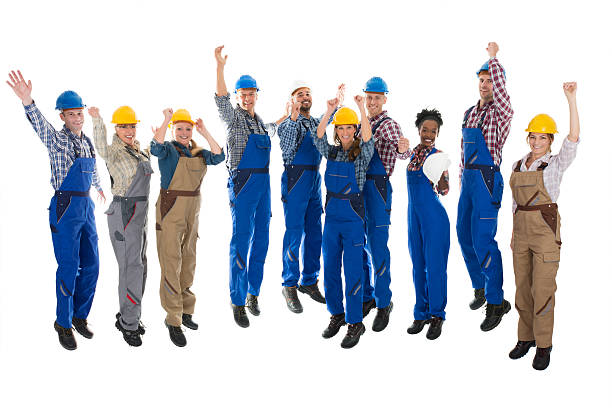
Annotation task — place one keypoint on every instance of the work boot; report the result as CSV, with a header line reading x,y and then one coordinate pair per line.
x,y
313,292
479,299
494,315
176,335
80,325
131,337
240,316
335,323
367,306
291,297
252,304
521,348
353,334
382,318
435,328
417,326
542,358
66,337
141,327
188,323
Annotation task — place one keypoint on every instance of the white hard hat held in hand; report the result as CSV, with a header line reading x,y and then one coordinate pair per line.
x,y
435,165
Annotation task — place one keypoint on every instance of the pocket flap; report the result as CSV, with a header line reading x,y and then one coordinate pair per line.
x,y
110,211
263,142
488,215
551,256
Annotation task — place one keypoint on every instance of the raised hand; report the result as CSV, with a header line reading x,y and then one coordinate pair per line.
x,y
403,145
569,88
340,94
168,114
201,128
94,112
221,60
492,49
360,101
22,89
294,109
332,104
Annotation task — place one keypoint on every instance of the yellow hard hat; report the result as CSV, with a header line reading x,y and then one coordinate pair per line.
x,y
124,115
346,116
181,115
542,123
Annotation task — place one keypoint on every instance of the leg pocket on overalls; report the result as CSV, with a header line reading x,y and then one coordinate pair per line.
x,y
166,204
240,180
544,282
293,176
63,201
358,207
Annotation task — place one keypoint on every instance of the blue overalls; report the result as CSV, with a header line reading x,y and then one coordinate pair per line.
x,y
75,242
301,196
249,195
428,244
480,199
343,236
377,193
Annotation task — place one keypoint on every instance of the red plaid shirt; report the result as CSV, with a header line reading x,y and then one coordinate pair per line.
x,y
385,141
497,115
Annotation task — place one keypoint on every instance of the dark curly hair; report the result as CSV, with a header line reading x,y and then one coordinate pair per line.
x,y
428,114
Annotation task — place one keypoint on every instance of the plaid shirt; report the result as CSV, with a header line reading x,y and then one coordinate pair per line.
x,y
291,134
239,126
553,173
385,140
121,165
497,115
361,162
64,147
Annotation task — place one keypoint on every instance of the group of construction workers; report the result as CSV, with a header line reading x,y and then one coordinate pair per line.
x,y
360,160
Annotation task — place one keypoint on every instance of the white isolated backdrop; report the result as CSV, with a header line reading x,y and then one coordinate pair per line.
x,y
153,55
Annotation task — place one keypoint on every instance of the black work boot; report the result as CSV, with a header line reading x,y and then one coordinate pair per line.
x,y
367,306
141,327
353,334
252,304
188,322
131,337
335,323
382,318
240,316
313,292
542,358
176,335
479,299
80,325
291,297
521,348
417,326
66,337
435,328
494,315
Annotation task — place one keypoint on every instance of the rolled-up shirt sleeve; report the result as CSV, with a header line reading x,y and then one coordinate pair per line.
x,y
213,159
159,150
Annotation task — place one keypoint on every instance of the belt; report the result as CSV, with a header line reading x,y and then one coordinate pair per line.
x,y
177,193
377,177
117,199
302,167
536,207
343,196
481,167
59,193
254,170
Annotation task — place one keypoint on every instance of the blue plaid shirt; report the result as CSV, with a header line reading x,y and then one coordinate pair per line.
x,y
64,147
361,162
292,133
239,126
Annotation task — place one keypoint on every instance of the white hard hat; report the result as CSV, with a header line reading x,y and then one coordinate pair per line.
x,y
297,84
435,165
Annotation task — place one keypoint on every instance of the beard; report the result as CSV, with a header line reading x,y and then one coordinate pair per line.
x,y
305,110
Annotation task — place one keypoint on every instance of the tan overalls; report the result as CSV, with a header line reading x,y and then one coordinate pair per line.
x,y
537,244
177,210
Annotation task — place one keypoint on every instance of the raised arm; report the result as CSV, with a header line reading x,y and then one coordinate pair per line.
x,y
569,88
221,60
214,146
332,104
160,132
366,129
99,133
501,99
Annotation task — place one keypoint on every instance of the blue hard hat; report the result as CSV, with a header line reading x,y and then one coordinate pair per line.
x,y
485,67
245,81
69,100
376,84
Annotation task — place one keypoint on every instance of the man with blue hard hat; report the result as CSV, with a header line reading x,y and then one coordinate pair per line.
x,y
248,158
485,129
71,213
390,145
301,197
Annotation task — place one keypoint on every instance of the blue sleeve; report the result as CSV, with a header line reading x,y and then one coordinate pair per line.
x,y
321,144
212,159
160,150
287,134
367,151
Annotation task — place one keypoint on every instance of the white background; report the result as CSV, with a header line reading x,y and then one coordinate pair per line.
x,y
152,55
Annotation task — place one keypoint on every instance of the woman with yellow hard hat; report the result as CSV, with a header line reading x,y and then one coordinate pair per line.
x,y
536,238
182,164
130,171
344,230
